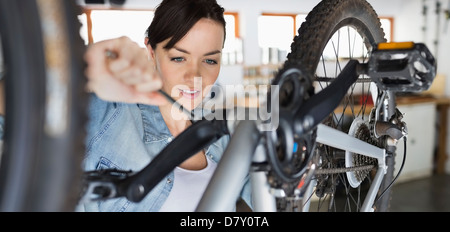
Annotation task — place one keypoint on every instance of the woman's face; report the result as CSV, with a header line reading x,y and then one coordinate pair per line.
x,y
191,67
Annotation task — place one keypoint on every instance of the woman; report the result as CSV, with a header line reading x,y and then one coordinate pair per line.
x,y
130,122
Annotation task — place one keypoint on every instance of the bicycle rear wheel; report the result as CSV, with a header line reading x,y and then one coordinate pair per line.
x,y
336,31
45,105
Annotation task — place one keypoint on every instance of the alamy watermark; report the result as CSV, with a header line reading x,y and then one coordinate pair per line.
x,y
218,98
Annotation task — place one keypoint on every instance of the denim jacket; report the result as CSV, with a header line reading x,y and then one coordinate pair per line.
x,y
128,137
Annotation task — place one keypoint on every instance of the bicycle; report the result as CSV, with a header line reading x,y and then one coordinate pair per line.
x,y
328,146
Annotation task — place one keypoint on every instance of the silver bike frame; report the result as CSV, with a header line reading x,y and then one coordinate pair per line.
x,y
226,183
327,136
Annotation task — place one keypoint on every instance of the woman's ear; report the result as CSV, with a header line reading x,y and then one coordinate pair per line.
x,y
151,53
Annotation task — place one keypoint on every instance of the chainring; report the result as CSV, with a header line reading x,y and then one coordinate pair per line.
x,y
289,153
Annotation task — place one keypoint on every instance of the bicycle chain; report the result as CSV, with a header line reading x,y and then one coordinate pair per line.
x,y
343,170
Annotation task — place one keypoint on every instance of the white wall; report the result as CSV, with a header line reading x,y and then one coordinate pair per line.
x,y
409,23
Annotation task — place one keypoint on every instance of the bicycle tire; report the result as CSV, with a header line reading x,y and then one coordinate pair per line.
x,y
315,38
45,105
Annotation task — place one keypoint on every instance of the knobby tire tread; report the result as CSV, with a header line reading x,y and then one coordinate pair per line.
x,y
320,25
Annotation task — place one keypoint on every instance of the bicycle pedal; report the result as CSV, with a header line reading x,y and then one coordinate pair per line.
x,y
402,67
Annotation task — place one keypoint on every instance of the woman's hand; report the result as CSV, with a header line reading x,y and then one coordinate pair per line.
x,y
129,77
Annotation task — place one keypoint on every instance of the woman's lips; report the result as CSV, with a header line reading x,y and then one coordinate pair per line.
x,y
190,94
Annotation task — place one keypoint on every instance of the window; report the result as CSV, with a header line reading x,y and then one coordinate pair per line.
x,y
275,34
98,25
84,32
299,19
233,49
387,23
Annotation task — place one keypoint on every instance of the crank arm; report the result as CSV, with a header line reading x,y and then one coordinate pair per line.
x,y
108,184
322,104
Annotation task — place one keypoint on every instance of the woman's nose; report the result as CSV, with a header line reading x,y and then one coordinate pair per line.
x,y
194,71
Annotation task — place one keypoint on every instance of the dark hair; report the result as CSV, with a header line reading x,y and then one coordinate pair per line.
x,y
174,18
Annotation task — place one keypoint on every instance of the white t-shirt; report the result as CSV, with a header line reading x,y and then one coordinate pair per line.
x,y
188,188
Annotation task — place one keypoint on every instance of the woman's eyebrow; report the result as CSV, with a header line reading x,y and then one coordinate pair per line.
x,y
206,54
213,53
181,50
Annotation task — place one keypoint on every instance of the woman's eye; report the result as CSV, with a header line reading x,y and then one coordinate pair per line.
x,y
178,59
212,62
